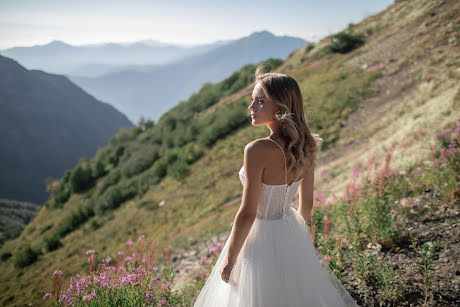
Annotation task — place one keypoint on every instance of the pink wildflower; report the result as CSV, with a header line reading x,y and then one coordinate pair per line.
x,y
128,259
150,297
57,272
203,260
212,250
108,260
327,258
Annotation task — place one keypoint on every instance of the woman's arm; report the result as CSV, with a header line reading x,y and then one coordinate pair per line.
x,y
253,169
306,194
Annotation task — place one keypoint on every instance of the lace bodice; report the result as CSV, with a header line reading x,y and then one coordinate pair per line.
x,y
275,200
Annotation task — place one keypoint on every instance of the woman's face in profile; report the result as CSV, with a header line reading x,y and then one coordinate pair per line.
x,y
262,110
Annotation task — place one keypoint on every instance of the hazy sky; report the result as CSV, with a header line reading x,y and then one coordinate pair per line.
x,y
30,22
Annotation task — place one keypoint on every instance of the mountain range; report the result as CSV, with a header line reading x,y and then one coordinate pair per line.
x,y
47,124
149,91
98,59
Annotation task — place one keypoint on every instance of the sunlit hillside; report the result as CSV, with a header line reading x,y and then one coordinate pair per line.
x,y
390,82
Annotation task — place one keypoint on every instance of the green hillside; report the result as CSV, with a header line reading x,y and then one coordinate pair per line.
x,y
391,79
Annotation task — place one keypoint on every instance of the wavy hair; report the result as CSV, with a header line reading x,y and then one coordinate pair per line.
x,y
284,92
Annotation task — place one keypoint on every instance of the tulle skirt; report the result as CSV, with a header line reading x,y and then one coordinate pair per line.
x,y
278,265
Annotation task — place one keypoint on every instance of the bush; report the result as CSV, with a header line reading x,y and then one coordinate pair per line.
x,y
223,121
114,197
140,161
66,177
112,178
343,42
81,179
27,256
73,220
180,170
309,47
99,170
115,157
161,165
52,242
61,196
5,256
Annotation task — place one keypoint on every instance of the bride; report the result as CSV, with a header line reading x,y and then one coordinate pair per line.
x,y
269,259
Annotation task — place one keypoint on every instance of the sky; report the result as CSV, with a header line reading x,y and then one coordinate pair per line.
x,y
37,22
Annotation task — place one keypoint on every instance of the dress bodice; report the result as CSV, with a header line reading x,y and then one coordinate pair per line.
x,y
275,200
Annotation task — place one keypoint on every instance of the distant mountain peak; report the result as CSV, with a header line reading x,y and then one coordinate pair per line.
x,y
57,43
263,33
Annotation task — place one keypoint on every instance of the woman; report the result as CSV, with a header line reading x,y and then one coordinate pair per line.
x,y
269,258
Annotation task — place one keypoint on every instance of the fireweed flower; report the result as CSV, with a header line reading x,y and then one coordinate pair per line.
x,y
150,297
107,260
212,250
48,296
57,272
163,302
128,259
204,260
66,299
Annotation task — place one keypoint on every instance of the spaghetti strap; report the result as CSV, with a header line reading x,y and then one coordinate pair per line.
x,y
284,156
285,173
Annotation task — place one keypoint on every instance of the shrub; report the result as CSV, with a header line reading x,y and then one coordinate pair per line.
x,y
161,165
180,170
112,178
343,42
222,122
5,256
114,197
140,161
61,196
99,169
73,220
27,256
115,157
309,47
81,179
52,242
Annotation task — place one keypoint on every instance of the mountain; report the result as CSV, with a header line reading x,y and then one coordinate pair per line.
x,y
151,91
385,89
98,59
47,124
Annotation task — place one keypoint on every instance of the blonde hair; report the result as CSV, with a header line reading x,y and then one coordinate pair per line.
x,y
284,92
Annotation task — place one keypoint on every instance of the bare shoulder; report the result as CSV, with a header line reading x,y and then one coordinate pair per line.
x,y
258,146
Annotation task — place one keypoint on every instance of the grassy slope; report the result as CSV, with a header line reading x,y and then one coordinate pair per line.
x,y
415,49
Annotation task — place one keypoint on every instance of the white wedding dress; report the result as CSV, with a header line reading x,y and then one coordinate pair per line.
x,y
278,265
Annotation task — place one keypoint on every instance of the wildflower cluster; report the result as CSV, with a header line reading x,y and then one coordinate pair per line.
x,y
130,280
207,263
364,217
